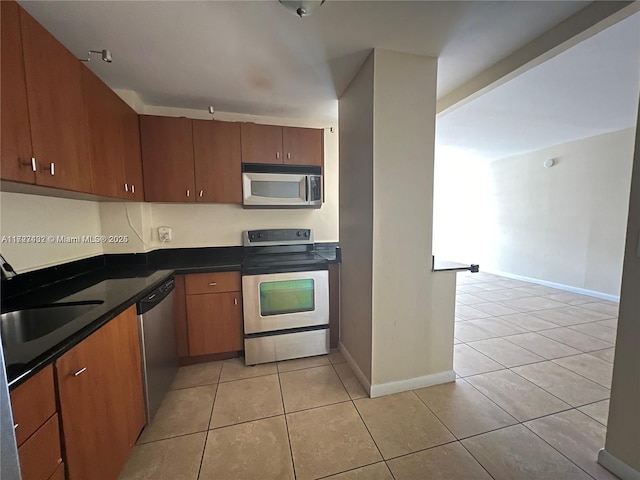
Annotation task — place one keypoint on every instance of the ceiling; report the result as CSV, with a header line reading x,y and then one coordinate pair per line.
x,y
257,58
589,89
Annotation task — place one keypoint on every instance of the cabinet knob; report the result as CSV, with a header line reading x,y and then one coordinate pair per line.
x,y
213,284
126,187
80,372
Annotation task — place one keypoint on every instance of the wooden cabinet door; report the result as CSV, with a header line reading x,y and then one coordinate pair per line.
x,y
303,146
215,323
180,317
261,143
132,157
167,159
218,161
57,110
100,391
15,131
105,136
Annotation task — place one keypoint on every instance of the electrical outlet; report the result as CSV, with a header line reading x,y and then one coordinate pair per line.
x,y
164,234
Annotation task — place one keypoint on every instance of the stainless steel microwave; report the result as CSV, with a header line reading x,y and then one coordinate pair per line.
x,y
281,186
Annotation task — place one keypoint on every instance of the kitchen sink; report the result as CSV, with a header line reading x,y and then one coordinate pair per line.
x,y
23,326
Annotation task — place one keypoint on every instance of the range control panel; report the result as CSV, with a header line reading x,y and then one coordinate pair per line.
x,y
278,236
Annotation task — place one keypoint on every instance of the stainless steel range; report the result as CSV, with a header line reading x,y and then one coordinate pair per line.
x,y
285,291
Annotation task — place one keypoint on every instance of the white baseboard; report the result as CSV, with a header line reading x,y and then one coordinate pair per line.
x,y
616,466
355,368
559,286
380,389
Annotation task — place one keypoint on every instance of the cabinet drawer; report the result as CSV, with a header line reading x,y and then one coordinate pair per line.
x,y
33,403
212,282
40,455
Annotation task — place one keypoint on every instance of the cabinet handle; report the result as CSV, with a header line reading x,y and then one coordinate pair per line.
x,y
213,284
201,192
289,155
126,187
133,188
80,372
277,154
16,426
51,169
31,163
235,301
188,193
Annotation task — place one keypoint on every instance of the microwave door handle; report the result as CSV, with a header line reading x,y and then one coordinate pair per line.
x,y
307,189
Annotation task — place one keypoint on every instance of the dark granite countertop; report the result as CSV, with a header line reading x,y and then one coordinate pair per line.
x,y
117,280
449,266
117,289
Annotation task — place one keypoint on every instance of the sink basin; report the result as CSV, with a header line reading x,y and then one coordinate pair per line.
x,y
23,326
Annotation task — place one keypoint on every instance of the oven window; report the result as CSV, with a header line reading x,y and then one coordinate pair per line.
x,y
289,296
273,189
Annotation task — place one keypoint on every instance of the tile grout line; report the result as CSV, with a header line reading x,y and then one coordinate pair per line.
x,y
286,426
360,416
562,454
206,438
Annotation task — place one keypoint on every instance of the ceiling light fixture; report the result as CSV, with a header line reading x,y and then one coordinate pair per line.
x,y
302,8
105,54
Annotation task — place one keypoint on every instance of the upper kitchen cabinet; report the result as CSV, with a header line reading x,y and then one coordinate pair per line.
x,y
15,152
132,157
261,143
303,146
57,112
167,159
282,145
218,161
105,136
114,139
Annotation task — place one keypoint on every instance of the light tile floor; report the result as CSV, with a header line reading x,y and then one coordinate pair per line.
x,y
531,401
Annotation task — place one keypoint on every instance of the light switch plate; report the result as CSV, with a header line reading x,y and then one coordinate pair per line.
x,y
164,234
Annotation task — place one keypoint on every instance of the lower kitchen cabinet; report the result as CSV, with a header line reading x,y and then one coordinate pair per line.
x,y
101,399
214,323
213,313
36,425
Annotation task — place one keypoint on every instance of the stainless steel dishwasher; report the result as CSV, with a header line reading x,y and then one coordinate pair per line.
x,y
158,345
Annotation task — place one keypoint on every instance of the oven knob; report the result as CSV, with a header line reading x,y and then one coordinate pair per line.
x,y
299,234
252,236
306,234
260,235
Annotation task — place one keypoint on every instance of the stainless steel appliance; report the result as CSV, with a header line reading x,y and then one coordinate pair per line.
x,y
285,291
281,186
158,345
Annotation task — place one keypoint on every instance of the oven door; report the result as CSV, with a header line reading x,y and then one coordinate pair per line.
x,y
279,301
274,189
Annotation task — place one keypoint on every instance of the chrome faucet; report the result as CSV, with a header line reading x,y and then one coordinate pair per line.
x,y
6,269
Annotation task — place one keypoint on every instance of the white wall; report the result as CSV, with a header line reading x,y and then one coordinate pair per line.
x,y
22,214
564,224
356,216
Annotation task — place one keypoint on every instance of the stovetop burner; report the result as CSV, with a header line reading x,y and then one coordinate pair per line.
x,y
280,250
